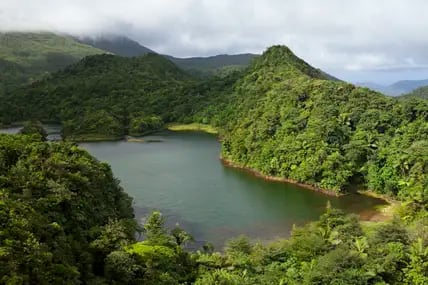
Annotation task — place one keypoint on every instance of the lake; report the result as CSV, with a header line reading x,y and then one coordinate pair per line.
x,y
181,175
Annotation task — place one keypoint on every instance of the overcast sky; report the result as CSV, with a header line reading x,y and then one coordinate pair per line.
x,y
357,40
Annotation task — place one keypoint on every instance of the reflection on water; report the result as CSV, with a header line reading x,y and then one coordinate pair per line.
x,y
183,178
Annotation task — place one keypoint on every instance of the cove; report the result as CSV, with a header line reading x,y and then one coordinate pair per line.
x,y
180,174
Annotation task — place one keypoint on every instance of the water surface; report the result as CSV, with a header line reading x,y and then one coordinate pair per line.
x,y
183,177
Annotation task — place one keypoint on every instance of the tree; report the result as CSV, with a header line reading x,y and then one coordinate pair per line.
x,y
34,128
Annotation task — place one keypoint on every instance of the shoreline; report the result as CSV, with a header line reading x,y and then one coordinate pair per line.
x,y
383,213
84,139
378,214
258,174
388,200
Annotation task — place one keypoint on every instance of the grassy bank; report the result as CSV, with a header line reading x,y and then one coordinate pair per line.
x,y
192,127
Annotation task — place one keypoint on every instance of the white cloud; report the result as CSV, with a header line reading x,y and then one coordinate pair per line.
x,y
331,34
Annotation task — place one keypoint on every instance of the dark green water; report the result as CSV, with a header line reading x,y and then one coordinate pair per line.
x,y
183,177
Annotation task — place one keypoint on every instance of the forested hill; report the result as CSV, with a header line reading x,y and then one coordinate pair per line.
x,y
213,65
59,207
288,121
28,56
105,96
25,57
280,116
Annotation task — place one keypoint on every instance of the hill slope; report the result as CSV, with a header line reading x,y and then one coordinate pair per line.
x,y
213,65
51,216
105,96
25,57
329,134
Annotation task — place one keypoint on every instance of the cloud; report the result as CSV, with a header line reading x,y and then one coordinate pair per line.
x,y
331,34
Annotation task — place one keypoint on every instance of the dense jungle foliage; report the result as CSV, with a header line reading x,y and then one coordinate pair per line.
x,y
337,249
103,95
285,119
108,96
58,204
65,220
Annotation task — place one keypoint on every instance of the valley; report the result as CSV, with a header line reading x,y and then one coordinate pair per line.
x,y
143,135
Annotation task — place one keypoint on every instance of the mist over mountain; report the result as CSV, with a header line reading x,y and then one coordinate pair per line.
x,y
119,45
202,66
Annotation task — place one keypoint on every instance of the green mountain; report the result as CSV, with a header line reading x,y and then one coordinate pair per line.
x,y
213,65
105,96
326,133
310,129
421,92
65,219
25,57
118,45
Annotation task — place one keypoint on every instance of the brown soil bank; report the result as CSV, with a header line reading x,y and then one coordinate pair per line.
x,y
373,215
280,179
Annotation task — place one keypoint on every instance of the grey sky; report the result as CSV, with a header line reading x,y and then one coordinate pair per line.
x,y
376,40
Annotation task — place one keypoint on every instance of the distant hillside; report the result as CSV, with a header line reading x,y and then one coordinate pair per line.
x,y
25,57
118,45
105,96
421,92
397,88
213,64
197,66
